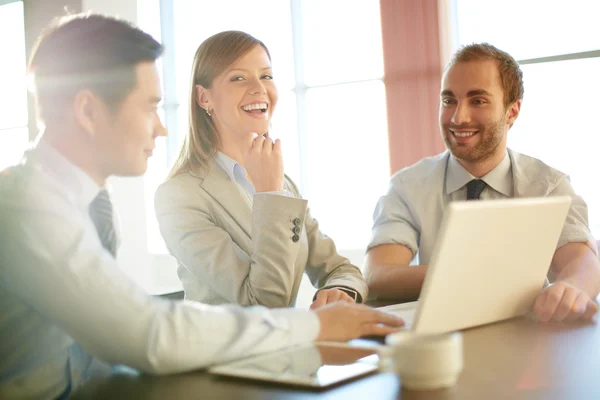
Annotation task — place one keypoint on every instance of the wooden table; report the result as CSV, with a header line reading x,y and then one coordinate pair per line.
x,y
517,359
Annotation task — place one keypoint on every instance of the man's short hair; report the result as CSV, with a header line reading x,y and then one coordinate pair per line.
x,y
511,75
87,52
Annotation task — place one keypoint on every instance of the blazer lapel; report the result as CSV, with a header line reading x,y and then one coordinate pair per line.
x,y
225,192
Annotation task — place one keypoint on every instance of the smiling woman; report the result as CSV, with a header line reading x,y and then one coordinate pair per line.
x,y
211,87
240,229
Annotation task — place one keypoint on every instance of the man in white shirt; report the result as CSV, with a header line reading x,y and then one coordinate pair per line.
x,y
482,91
63,298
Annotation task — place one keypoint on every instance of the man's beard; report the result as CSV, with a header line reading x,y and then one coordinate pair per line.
x,y
490,137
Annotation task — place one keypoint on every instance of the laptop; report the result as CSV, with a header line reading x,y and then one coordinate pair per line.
x,y
489,263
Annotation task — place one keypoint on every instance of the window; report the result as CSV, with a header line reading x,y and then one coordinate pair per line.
x,y
14,134
149,19
530,29
331,115
558,121
346,162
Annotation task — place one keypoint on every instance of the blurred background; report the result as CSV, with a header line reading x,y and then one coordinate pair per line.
x,y
359,90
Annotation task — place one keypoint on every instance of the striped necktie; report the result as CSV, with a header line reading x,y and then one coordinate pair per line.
x,y
102,215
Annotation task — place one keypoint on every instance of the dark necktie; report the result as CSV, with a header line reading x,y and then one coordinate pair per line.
x,y
102,216
474,189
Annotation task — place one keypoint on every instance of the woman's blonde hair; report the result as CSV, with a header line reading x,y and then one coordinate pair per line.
x,y
212,58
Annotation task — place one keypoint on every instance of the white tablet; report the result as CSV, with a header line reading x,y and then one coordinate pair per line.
x,y
317,365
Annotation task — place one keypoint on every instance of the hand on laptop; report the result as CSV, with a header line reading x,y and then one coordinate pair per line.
x,y
343,321
562,301
327,296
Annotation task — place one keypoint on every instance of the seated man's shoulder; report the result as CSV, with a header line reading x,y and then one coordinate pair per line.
x,y
26,187
9,177
15,182
535,169
422,169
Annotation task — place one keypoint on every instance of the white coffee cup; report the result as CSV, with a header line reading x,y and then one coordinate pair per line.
x,y
426,362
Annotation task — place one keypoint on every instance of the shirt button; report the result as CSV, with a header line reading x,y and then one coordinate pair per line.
x,y
295,238
296,230
297,221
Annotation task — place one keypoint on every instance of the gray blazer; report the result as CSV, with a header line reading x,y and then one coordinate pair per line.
x,y
229,252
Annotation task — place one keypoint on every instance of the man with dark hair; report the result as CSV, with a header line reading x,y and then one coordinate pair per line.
x,y
63,298
482,91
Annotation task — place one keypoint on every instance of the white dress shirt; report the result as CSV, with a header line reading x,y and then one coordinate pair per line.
x,y
411,212
62,292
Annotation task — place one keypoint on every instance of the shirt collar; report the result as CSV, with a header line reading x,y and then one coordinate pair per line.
x,y
79,184
499,178
233,169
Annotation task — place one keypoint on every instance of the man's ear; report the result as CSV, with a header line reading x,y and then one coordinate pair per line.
x,y
88,108
513,112
203,97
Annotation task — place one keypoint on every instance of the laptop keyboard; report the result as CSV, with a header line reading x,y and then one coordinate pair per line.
x,y
406,311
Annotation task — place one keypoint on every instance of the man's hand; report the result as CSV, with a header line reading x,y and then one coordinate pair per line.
x,y
264,162
342,321
562,301
327,296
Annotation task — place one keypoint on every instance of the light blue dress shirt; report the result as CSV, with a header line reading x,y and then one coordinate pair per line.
x,y
412,211
236,172
239,175
62,292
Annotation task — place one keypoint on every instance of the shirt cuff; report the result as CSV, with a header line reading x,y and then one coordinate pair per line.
x,y
303,326
285,193
577,237
394,234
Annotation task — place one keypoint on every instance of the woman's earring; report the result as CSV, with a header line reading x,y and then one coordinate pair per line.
x,y
207,112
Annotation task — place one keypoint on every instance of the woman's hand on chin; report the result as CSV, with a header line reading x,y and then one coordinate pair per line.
x,y
264,163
